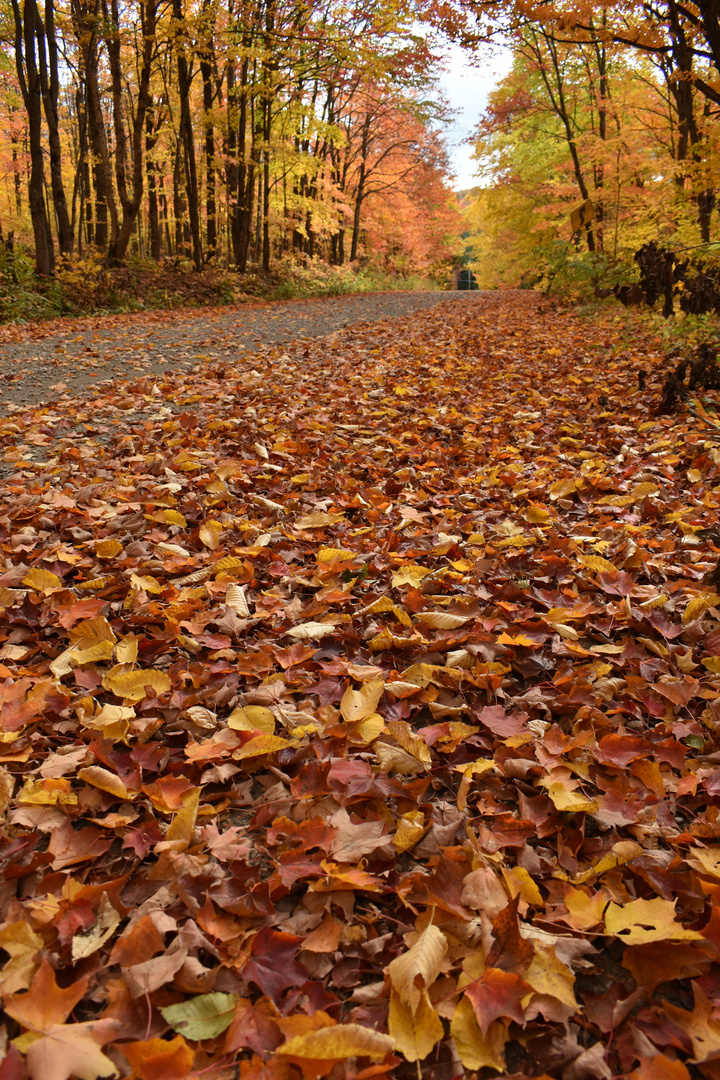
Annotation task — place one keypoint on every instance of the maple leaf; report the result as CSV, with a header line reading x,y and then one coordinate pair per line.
x,y
510,952
498,993
66,1050
273,964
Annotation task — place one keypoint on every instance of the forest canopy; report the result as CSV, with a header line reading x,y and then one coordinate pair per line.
x,y
233,133
615,105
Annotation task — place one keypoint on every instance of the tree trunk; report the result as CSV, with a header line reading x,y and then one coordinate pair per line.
x,y
28,78
210,179
86,19
233,172
48,51
130,202
360,192
186,136
151,138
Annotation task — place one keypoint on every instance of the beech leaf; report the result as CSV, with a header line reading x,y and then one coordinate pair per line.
x,y
202,1017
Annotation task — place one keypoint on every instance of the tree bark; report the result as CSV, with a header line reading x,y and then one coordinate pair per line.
x,y
87,18
29,80
206,70
130,202
48,70
186,135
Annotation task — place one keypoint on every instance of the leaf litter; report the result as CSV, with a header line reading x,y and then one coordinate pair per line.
x,y
360,714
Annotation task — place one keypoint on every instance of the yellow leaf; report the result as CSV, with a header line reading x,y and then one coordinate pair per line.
x,y
415,1033
228,562
516,542
517,880
235,598
395,759
469,772
561,488
106,781
209,534
367,730
356,705
146,583
85,633
570,801
442,620
585,910
699,605
21,943
311,631
460,658
549,976
41,580
641,921
91,651
411,574
329,555
173,517
182,826
339,1042
378,606
108,549
475,1050
252,718
112,720
418,968
63,1050
94,585
537,515
412,743
127,650
705,861
641,491
50,792
86,943
410,829
598,564
130,685
318,520
261,744
622,852
516,639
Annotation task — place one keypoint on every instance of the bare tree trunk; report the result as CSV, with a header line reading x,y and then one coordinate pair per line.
x,y
151,138
87,19
206,69
48,51
130,202
186,135
360,193
231,153
29,80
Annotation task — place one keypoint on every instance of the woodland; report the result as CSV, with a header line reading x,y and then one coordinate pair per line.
x,y
222,135
359,693
612,103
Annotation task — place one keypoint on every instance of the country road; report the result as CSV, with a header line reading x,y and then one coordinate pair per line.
x,y
40,362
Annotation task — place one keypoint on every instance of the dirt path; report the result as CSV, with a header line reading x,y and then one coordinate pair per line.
x,y
41,362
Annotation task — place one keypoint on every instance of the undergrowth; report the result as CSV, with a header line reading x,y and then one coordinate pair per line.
x,y
86,286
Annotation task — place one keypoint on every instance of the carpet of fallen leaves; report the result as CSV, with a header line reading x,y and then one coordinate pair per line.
x,y
360,714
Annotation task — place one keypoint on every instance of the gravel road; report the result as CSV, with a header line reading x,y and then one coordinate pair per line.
x,y
41,361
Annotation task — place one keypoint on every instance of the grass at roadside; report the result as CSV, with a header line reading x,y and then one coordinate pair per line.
x,y
86,286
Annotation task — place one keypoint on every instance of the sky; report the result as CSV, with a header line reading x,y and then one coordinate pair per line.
x,y
467,88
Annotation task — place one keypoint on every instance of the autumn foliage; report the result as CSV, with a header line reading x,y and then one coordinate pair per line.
x,y
359,713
